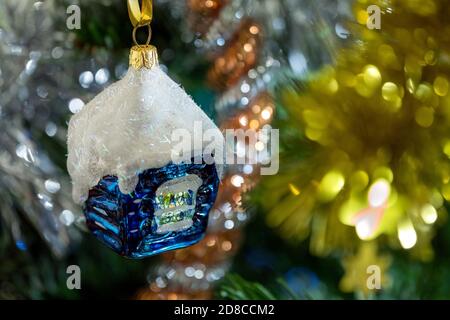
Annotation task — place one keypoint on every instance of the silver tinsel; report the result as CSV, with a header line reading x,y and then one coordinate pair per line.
x,y
33,189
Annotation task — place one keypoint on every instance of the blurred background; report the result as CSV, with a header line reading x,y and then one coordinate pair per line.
x,y
364,120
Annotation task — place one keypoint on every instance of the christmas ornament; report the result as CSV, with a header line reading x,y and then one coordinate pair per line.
x,y
137,199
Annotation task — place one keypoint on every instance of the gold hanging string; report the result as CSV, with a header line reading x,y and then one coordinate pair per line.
x,y
140,17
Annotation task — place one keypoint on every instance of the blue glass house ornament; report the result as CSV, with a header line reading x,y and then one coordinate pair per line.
x,y
167,210
136,199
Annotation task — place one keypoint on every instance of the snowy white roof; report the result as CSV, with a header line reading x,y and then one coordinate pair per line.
x,y
128,128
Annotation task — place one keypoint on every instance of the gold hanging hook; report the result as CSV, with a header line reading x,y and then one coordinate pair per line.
x,y
140,17
149,36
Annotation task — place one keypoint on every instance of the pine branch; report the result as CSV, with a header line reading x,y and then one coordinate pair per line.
x,y
235,287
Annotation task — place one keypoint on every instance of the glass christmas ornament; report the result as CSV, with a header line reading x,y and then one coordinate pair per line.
x,y
168,209
136,198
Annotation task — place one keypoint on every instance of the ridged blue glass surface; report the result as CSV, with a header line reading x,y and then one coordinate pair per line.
x,y
158,216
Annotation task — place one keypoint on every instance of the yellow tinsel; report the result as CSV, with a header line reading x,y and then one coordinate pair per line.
x,y
371,154
366,272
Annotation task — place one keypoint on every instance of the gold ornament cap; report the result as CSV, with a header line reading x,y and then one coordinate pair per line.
x,y
143,56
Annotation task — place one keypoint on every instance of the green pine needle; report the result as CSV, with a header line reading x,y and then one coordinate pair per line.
x,y
235,287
